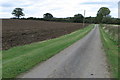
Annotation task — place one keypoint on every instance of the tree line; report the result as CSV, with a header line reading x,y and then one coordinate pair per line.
x,y
102,16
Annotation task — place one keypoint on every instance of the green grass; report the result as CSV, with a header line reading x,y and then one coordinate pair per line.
x,y
111,50
20,59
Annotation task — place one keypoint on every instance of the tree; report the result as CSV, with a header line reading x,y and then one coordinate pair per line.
x,y
107,19
99,18
78,18
78,15
47,16
18,12
90,19
102,12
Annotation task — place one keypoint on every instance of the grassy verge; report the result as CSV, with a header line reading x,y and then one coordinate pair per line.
x,y
20,59
111,49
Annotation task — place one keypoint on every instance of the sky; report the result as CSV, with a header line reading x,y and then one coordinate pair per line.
x,y
58,8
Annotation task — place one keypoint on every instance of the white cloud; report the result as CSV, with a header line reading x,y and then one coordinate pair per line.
x,y
59,8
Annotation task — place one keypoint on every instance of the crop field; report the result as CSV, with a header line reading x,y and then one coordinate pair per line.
x,y
20,32
110,37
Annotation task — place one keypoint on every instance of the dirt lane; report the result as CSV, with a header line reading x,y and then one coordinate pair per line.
x,y
84,59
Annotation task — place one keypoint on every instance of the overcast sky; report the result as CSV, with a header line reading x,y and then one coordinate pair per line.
x,y
59,8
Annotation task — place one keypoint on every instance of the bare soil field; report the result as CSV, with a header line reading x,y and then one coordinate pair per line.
x,y
21,32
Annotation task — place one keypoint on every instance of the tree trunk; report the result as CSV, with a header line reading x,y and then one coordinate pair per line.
x,y
18,17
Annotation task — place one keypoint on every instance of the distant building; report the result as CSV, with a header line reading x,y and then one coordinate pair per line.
x,y
119,9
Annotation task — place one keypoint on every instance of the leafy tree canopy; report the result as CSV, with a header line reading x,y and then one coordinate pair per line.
x,y
48,16
78,15
18,12
104,11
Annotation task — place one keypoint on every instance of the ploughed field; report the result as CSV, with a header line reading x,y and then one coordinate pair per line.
x,y
21,32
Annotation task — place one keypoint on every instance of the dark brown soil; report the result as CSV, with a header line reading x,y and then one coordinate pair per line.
x,y
21,32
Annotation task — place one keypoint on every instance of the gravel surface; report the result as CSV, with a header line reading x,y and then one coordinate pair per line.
x,y
83,59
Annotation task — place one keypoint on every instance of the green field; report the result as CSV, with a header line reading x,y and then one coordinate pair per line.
x,y
20,59
111,49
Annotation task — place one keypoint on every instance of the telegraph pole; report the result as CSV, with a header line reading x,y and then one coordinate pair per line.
x,y
84,18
